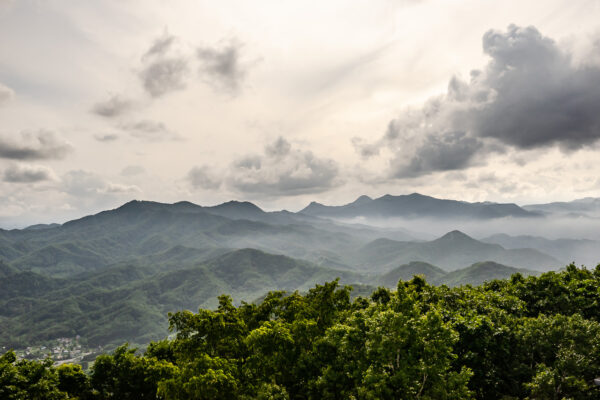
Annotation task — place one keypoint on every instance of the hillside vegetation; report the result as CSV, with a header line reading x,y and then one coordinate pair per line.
x,y
114,276
534,337
131,301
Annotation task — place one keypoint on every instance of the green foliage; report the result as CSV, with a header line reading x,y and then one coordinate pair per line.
x,y
534,337
124,375
72,380
22,379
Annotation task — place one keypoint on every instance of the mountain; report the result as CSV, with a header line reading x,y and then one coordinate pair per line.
x,y
6,270
475,274
586,207
130,302
113,276
237,210
406,272
143,228
579,251
42,226
451,251
416,206
479,273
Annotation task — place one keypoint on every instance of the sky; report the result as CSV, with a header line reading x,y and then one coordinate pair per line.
x,y
285,102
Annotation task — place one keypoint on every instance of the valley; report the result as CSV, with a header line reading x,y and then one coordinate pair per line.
x,y
114,276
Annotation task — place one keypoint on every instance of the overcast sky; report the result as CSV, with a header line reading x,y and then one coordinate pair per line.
x,y
102,102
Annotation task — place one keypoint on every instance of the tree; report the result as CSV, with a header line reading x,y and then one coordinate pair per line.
x,y
125,375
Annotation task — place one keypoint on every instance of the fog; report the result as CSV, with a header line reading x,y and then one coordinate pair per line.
x,y
546,227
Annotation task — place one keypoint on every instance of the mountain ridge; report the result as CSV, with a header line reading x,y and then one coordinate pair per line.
x,y
416,205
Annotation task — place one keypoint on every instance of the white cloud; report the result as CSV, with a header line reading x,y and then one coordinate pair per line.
x,y
283,171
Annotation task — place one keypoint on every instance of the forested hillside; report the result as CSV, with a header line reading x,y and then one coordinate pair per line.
x,y
534,337
113,276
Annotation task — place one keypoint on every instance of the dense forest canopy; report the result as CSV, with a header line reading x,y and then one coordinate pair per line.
x,y
525,337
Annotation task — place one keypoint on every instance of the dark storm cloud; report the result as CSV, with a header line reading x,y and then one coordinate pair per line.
x,y
164,71
150,131
447,152
6,94
27,174
203,178
113,107
529,95
40,145
283,170
540,98
222,67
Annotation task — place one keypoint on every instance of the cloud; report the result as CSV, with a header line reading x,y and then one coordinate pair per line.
x,y
203,178
113,107
539,97
164,76
132,170
164,71
160,46
81,184
529,95
283,170
222,67
119,188
248,162
88,185
150,131
6,94
366,150
448,152
39,145
109,137
279,148
25,173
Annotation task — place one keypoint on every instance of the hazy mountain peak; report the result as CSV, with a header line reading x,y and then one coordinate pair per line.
x,y
416,205
362,199
136,205
237,210
313,208
455,236
238,205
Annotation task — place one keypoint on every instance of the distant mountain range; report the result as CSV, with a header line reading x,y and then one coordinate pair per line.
x,y
565,250
139,229
417,206
586,207
452,251
475,274
113,276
